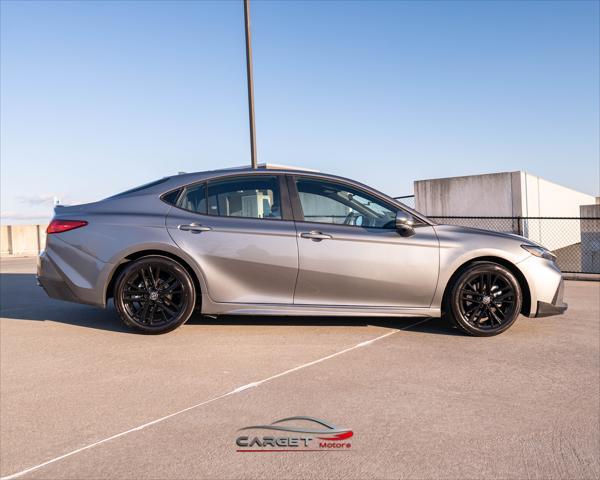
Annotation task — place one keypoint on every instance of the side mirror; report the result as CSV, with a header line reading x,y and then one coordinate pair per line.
x,y
404,224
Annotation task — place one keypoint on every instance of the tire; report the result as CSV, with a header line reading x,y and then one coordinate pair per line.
x,y
154,295
485,299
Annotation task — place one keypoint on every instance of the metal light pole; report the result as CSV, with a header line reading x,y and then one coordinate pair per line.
x,y
250,83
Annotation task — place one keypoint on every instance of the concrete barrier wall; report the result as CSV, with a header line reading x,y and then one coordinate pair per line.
x,y
590,238
22,240
510,194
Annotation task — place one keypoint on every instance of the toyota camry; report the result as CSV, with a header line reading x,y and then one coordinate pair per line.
x,y
285,241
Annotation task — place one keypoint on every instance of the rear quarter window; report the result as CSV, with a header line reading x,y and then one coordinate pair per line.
x,y
171,197
193,198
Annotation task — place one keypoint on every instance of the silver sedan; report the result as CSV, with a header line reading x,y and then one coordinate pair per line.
x,y
283,241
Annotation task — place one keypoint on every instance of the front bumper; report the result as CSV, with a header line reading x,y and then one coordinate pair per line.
x,y
556,307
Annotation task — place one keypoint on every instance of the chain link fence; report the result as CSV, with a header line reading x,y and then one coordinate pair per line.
x,y
408,200
574,240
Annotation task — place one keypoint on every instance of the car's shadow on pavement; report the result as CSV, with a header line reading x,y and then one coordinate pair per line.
x,y
22,299
411,324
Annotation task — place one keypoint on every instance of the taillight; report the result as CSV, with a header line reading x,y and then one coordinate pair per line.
x,y
59,226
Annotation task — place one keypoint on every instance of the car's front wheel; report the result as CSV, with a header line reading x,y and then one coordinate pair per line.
x,y
485,299
154,295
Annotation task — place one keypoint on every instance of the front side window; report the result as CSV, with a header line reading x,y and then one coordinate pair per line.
x,y
250,197
330,202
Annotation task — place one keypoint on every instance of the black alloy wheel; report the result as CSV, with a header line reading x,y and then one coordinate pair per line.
x,y
154,295
486,299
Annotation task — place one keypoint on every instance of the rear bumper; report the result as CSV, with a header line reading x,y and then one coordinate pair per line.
x,y
49,278
67,273
556,307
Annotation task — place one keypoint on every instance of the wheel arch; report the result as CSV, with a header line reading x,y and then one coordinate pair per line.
x,y
153,252
525,307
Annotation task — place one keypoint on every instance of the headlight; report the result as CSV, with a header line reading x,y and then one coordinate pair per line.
x,y
540,252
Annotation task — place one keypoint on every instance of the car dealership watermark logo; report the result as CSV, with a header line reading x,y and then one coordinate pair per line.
x,y
294,434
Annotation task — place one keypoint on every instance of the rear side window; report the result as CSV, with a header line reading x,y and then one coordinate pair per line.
x,y
171,197
193,199
250,197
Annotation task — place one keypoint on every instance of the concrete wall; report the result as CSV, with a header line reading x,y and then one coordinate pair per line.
x,y
542,198
21,240
512,194
590,237
475,195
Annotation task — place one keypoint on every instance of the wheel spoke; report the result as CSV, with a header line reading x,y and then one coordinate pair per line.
x,y
132,297
152,310
469,298
172,289
168,283
476,314
503,297
147,283
151,277
495,317
130,288
472,308
170,278
169,310
144,312
471,292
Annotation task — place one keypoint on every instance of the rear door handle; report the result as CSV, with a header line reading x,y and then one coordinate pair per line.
x,y
194,228
315,235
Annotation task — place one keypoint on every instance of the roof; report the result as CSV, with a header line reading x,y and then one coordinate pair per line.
x,y
183,177
271,166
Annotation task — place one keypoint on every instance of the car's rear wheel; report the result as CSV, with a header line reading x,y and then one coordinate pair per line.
x,y
154,295
485,299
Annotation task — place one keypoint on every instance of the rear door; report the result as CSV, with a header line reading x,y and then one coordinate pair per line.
x,y
350,253
240,232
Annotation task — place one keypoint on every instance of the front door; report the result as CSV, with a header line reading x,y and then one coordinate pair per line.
x,y
350,253
236,231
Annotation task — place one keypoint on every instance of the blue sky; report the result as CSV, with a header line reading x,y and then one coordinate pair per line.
x,y
100,96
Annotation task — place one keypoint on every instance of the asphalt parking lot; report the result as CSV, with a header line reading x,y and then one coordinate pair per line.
x,y
83,397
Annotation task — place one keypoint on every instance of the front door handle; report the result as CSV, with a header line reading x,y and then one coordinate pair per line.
x,y
194,228
315,235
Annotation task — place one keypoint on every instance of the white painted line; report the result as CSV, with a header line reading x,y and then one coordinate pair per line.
x,y
246,387
291,370
364,344
232,392
92,445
